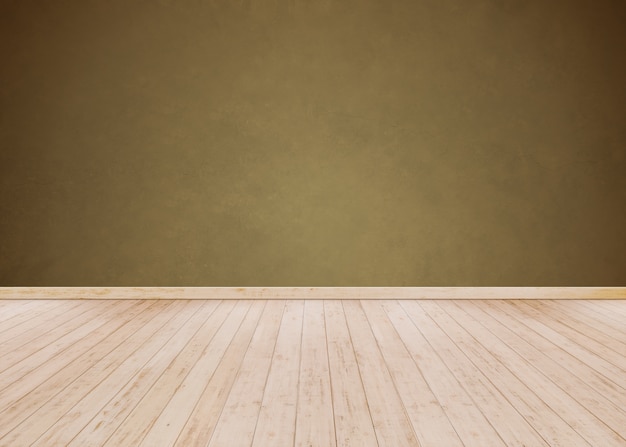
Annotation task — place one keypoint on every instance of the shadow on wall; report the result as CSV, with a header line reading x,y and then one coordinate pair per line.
x,y
302,143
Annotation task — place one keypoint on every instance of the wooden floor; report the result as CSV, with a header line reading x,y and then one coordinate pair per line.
x,y
312,373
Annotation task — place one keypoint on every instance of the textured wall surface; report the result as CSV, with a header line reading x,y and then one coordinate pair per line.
x,y
327,142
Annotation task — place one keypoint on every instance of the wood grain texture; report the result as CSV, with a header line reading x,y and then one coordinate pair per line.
x,y
311,373
310,293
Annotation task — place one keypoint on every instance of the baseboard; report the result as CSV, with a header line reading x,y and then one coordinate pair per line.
x,y
312,293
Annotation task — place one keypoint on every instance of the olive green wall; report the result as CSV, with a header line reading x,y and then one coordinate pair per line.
x,y
326,142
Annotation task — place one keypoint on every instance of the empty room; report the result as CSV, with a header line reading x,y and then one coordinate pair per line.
x,y
313,223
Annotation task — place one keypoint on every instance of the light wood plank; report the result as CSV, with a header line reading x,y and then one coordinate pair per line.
x,y
16,411
32,340
277,417
202,420
604,367
545,420
603,349
215,371
511,426
238,419
389,417
611,414
471,425
17,319
121,419
74,420
430,423
75,329
353,422
106,374
315,425
22,308
617,309
578,417
311,372
116,317
601,385
605,333
324,293
607,316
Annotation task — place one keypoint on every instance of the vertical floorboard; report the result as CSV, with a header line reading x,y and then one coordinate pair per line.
x,y
392,426
430,422
332,373
125,417
277,417
471,425
215,373
511,426
353,422
237,421
547,422
315,425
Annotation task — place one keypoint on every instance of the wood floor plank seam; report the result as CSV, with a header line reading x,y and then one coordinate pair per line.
x,y
268,372
16,337
23,318
428,382
91,404
39,339
581,338
353,421
84,383
607,369
314,415
582,370
37,400
120,408
198,433
42,392
478,416
431,423
217,388
511,386
391,423
295,431
363,304
358,368
65,360
238,417
556,398
580,391
516,429
236,375
602,333
313,373
330,382
54,349
281,390
160,364
21,309
164,427
604,314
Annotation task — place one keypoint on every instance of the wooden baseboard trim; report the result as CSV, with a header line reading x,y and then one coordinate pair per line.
x,y
312,293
